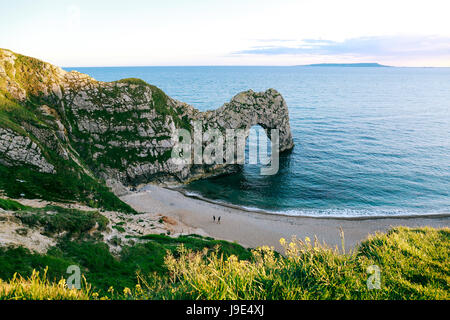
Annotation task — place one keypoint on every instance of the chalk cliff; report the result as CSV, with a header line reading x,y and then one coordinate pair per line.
x,y
55,122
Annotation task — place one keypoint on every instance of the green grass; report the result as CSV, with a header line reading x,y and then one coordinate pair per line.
x,y
38,287
134,81
118,228
12,114
101,268
55,220
11,205
65,186
196,242
413,265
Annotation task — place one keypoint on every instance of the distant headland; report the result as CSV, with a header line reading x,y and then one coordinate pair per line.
x,y
361,65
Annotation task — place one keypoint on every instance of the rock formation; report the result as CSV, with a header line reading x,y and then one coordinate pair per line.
x,y
120,131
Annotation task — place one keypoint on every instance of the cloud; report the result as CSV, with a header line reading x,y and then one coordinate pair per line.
x,y
382,47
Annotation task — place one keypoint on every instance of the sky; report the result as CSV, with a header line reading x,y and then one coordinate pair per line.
x,y
228,32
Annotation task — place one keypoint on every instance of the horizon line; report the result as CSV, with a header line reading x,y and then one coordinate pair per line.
x,y
244,65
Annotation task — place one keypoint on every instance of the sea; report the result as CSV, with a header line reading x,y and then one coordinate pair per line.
x,y
369,141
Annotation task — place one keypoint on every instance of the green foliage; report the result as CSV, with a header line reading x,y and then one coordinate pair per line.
x,y
22,261
32,74
12,114
196,242
66,185
55,219
38,287
134,81
99,266
7,204
118,228
413,264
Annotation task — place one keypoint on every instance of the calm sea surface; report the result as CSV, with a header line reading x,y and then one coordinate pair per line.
x,y
368,141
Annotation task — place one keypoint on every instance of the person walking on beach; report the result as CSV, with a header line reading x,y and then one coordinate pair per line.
x,y
214,218
218,220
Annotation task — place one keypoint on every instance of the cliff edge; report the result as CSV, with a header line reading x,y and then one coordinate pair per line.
x,y
67,125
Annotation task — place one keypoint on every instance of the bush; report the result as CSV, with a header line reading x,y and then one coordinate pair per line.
x,y
64,186
11,205
56,219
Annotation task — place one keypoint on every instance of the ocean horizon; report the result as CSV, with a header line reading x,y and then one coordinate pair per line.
x,y
369,141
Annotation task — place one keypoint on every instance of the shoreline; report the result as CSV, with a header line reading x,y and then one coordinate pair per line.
x,y
280,213
255,229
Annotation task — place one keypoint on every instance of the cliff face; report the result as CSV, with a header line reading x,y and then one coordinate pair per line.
x,y
123,131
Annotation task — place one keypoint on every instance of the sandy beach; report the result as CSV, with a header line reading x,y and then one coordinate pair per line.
x,y
254,229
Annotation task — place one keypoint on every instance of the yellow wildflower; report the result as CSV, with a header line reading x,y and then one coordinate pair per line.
x,y
126,291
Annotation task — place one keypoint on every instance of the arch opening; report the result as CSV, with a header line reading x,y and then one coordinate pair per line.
x,y
258,147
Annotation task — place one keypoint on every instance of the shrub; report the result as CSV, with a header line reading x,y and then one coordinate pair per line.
x,y
12,205
56,219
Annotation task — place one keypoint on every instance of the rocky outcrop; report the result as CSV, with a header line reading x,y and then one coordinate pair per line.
x,y
17,149
267,109
122,131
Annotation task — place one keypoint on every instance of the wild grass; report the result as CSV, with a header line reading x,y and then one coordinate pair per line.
x,y
55,220
101,268
413,264
66,185
12,114
8,204
38,287
134,81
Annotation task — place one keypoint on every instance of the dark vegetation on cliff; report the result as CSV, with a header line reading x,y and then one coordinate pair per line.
x,y
64,186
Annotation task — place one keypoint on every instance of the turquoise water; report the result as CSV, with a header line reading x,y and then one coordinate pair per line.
x,y
368,141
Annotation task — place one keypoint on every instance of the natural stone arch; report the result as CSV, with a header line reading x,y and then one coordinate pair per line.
x,y
267,109
119,131
255,150
247,109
